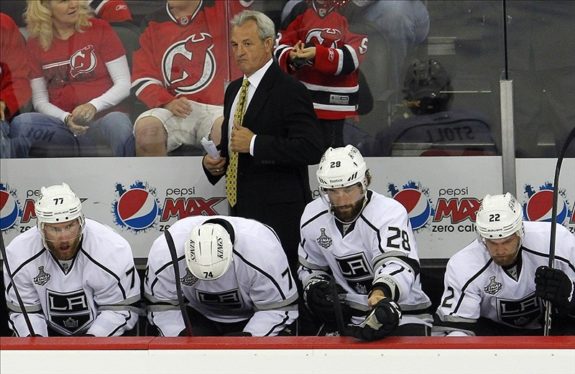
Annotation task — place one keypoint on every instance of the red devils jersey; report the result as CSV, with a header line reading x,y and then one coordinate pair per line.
x,y
75,69
332,78
183,57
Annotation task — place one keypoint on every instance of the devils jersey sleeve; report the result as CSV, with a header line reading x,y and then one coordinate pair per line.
x,y
97,294
475,287
257,288
182,57
333,75
378,249
14,85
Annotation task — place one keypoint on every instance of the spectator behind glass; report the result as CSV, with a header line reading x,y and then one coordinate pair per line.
x,y
75,276
361,243
275,141
14,85
316,46
79,77
497,284
180,72
219,261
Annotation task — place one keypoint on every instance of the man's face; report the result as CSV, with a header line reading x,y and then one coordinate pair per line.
x,y
503,251
63,238
250,52
346,202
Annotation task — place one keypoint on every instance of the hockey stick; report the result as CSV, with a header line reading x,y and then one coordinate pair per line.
x,y
337,308
20,302
174,256
548,305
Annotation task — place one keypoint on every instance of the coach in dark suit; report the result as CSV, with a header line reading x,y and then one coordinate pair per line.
x,y
276,140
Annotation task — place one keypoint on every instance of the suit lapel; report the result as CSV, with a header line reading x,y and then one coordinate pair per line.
x,y
261,96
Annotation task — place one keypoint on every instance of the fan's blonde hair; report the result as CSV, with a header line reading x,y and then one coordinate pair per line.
x,y
38,16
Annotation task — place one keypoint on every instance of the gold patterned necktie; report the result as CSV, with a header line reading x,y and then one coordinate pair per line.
x,y
232,172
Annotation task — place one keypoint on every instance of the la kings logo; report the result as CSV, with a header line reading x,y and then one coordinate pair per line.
x,y
68,312
190,65
356,271
42,278
520,313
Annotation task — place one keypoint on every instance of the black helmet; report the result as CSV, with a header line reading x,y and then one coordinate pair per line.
x,y
428,85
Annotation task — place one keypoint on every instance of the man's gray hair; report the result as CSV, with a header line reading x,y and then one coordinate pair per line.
x,y
266,27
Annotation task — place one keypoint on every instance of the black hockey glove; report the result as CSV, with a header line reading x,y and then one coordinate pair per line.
x,y
555,286
238,333
379,323
317,296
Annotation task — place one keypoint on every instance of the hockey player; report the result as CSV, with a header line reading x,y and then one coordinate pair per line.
x,y
180,73
315,45
75,276
233,273
364,242
497,284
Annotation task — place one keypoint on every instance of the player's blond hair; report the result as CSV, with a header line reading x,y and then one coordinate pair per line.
x,y
38,17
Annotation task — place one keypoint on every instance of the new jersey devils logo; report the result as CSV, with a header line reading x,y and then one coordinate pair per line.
x,y
190,64
83,61
327,37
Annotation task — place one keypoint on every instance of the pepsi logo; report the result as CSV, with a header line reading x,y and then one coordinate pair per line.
x,y
540,204
417,206
9,208
137,208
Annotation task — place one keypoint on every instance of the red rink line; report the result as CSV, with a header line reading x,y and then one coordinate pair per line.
x,y
311,342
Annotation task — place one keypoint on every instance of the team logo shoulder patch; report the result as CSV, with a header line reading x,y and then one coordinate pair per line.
x,y
42,278
493,287
324,240
189,279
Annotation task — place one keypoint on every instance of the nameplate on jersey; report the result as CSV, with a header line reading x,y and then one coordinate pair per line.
x,y
68,311
339,99
228,299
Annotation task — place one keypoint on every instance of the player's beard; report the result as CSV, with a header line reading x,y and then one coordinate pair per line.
x,y
348,213
65,249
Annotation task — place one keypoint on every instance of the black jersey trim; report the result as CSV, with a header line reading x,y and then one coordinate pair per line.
x,y
21,266
262,272
469,281
314,218
114,275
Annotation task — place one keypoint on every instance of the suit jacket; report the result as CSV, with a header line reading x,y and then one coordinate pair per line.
x,y
273,185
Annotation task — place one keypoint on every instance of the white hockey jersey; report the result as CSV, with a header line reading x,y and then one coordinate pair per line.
x,y
98,295
380,246
475,287
258,285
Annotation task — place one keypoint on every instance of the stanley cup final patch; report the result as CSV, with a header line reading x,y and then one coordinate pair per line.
x,y
324,240
42,278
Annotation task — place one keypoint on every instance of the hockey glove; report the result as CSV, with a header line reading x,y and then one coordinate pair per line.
x,y
555,286
238,333
317,296
379,323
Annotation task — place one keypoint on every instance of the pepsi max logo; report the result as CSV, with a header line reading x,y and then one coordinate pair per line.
x,y
416,202
539,207
136,208
9,208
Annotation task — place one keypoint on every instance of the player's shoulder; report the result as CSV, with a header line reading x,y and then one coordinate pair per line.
x,y
102,240
469,260
315,210
25,245
383,208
